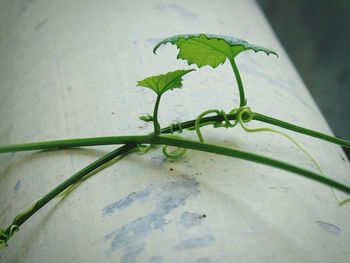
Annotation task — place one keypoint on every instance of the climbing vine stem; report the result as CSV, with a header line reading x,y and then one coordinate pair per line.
x,y
171,141
295,128
95,141
155,116
24,216
195,49
242,98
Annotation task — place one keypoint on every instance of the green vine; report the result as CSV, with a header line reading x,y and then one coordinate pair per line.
x,y
201,50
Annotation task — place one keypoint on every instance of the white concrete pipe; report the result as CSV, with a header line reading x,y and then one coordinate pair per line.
x,y
69,69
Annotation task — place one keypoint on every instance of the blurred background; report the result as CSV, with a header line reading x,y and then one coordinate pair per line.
x,y
316,35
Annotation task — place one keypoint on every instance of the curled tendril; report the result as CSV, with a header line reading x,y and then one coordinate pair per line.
x,y
180,127
198,122
175,154
5,237
143,148
177,125
245,115
226,124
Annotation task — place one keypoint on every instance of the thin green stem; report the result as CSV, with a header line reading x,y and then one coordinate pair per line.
x,y
24,216
242,99
224,151
155,116
294,141
292,127
182,143
70,189
95,141
171,141
69,143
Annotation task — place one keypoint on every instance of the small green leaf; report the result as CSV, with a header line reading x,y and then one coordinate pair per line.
x,y
208,49
146,118
162,83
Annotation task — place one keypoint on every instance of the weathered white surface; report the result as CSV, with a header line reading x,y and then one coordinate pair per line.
x,y
69,69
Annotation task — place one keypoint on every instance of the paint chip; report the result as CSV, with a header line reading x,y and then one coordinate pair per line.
x,y
330,228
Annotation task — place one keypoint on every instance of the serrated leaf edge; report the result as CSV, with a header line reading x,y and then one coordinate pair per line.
x,y
248,46
165,88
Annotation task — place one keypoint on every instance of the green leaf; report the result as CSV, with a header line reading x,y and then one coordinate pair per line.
x,y
208,49
162,83
146,118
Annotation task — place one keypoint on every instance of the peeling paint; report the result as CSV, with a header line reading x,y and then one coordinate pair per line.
x,y
196,242
188,219
330,228
131,253
127,201
130,237
17,185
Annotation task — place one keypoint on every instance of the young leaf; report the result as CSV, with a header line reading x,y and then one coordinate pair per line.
x,y
208,49
162,83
